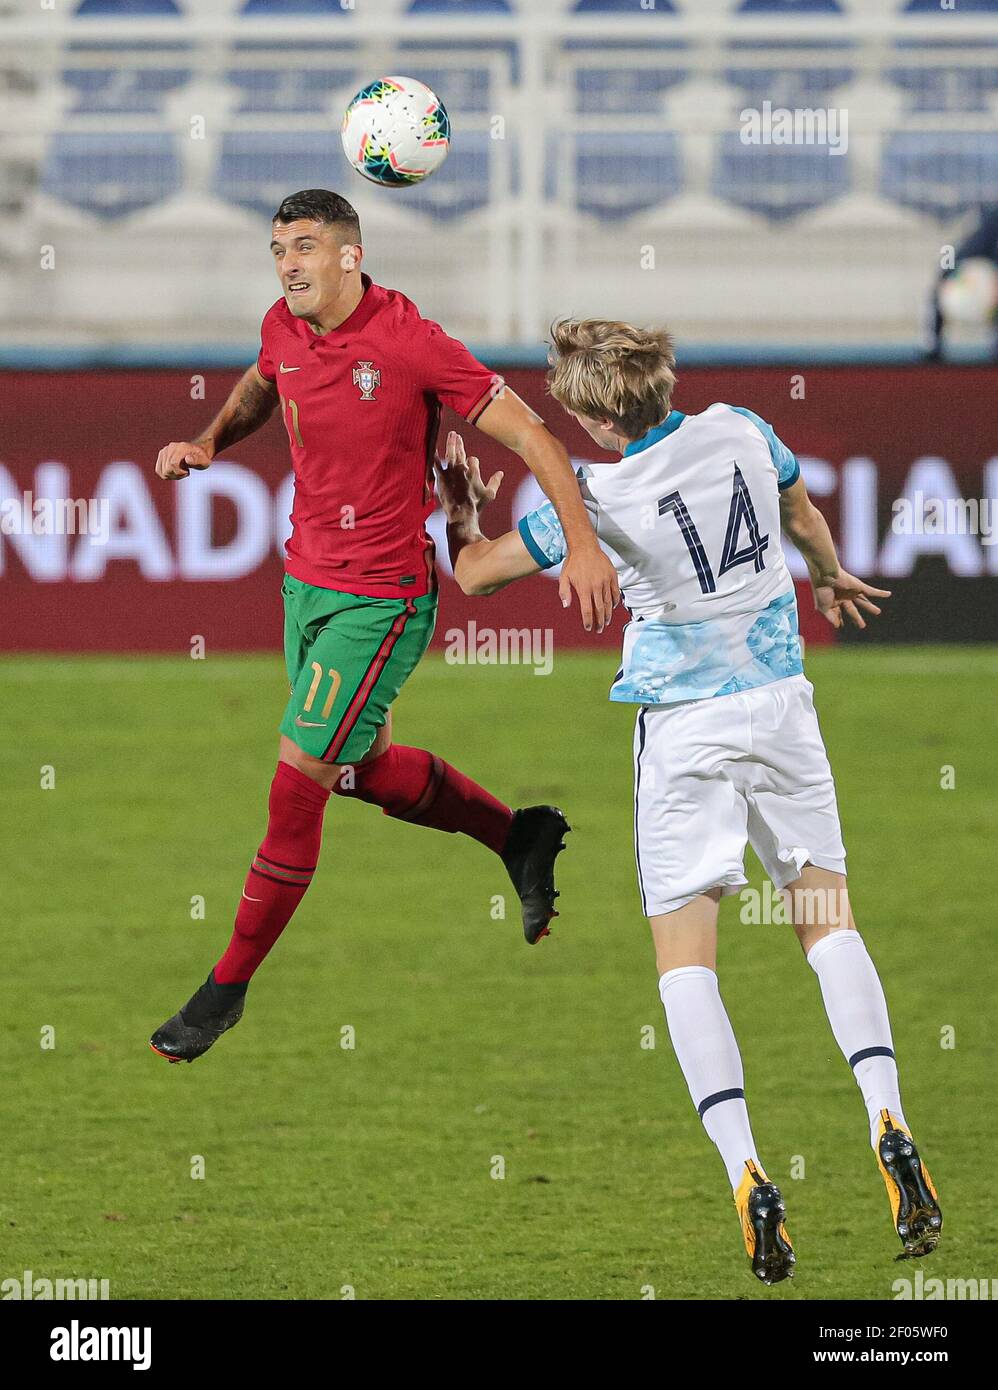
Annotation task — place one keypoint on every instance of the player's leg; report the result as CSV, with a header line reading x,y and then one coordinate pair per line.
x,y
794,828
818,903
347,663
277,880
409,784
857,1013
702,1037
417,786
689,841
347,658
707,1051
343,741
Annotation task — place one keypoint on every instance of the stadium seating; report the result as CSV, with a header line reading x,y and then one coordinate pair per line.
x,y
962,7
288,88
796,8
779,181
943,87
124,89
627,91
630,136
127,9
783,84
111,175
943,173
610,184
461,7
326,9
257,168
622,7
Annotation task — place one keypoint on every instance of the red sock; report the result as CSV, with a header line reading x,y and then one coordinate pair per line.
x,y
417,786
280,874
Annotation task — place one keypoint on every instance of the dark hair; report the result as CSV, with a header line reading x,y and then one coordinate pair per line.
x,y
319,205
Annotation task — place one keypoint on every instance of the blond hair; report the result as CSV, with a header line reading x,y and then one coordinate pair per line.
x,y
605,369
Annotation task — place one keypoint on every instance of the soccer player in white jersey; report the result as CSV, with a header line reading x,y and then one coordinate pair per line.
x,y
727,749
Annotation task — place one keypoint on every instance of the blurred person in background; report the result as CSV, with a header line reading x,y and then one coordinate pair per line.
x,y
967,293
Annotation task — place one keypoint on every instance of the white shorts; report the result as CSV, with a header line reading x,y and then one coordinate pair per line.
x,y
713,775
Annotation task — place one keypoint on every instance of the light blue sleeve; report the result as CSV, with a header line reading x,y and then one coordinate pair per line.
x,y
541,533
787,467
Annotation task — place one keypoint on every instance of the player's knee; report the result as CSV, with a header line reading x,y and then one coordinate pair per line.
x,y
325,774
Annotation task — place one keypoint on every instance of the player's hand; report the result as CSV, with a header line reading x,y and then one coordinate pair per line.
x,y
460,486
847,597
177,460
591,574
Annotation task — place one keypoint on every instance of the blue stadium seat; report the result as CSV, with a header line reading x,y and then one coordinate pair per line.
x,y
257,168
941,172
622,7
790,7
127,9
617,173
962,7
125,90
461,7
111,174
294,7
787,85
460,185
780,181
289,89
941,89
624,90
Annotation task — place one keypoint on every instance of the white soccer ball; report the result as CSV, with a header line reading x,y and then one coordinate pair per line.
x,y
396,131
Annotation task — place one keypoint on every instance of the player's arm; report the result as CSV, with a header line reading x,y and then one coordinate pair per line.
x,y
250,405
586,569
837,594
481,566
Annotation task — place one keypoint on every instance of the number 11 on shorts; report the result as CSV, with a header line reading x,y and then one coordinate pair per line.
x,y
313,690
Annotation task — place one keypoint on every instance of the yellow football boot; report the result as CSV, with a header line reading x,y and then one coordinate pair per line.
x,y
761,1212
914,1205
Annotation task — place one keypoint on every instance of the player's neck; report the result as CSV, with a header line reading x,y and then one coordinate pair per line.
x,y
332,315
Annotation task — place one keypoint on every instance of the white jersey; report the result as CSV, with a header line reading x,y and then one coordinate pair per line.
x,y
690,517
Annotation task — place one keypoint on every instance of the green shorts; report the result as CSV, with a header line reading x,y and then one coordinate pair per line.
x,y
347,657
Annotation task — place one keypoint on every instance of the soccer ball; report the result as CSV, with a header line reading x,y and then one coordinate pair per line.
x,y
396,131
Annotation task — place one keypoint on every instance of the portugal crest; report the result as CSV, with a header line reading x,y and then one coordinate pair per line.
x,y
368,377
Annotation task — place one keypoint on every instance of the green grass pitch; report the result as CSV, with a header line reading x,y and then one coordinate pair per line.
x,y
371,1168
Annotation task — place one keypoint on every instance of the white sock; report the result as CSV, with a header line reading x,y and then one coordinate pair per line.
x,y
708,1054
857,1011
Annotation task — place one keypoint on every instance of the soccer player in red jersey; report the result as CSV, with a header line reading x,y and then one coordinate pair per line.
x,y
360,377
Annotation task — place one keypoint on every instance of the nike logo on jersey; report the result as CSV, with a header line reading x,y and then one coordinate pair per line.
x,y
289,369
251,900
307,724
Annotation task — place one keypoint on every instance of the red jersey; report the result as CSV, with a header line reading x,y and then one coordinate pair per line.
x,y
362,407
